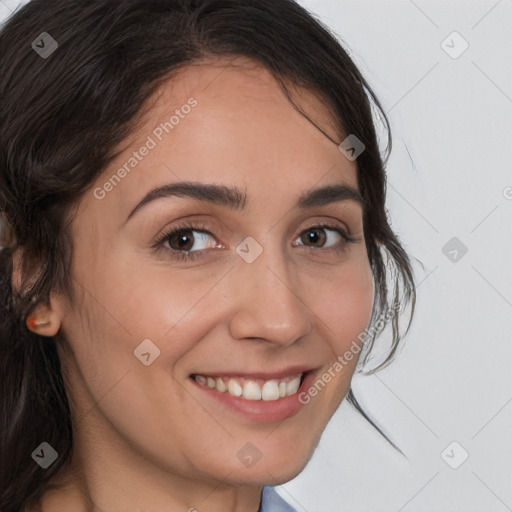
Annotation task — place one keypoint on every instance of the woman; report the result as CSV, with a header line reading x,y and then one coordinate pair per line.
x,y
200,251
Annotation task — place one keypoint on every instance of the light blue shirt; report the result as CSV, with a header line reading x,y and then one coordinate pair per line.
x,y
272,502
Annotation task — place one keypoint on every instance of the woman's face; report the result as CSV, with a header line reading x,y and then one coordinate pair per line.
x,y
258,297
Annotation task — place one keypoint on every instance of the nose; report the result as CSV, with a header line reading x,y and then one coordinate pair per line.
x,y
268,301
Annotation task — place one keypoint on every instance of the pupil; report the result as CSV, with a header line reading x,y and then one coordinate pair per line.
x,y
182,239
314,235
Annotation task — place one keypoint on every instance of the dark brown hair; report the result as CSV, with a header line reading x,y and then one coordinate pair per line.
x,y
63,115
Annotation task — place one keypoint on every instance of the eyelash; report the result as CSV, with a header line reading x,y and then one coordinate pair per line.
x,y
193,255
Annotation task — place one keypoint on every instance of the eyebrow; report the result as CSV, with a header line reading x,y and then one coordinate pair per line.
x,y
234,199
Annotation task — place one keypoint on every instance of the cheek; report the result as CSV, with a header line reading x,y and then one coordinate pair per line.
x,y
344,304
129,299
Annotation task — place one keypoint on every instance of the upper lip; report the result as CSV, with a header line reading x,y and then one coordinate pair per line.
x,y
279,374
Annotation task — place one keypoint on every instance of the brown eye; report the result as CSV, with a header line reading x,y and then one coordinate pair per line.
x,y
314,235
186,242
318,237
184,239
190,242
181,240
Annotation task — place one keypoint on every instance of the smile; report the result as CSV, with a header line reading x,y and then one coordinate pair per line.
x,y
252,389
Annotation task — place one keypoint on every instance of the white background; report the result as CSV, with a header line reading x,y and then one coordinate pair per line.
x,y
448,177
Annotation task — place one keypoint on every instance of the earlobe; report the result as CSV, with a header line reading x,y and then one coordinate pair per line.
x,y
44,321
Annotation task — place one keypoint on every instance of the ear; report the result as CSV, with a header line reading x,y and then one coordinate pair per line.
x,y
45,319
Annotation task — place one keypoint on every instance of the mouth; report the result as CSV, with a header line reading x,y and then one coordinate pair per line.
x,y
251,388
258,397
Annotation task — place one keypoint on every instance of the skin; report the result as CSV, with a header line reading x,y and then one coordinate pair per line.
x,y
145,437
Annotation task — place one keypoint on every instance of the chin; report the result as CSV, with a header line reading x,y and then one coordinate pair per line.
x,y
275,470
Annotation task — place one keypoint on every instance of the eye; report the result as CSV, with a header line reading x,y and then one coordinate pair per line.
x,y
184,240
181,243
316,235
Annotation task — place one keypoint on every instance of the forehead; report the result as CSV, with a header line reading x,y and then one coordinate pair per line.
x,y
238,79
241,128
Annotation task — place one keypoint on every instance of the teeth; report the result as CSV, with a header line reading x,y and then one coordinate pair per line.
x,y
202,380
293,386
220,385
251,390
270,390
234,388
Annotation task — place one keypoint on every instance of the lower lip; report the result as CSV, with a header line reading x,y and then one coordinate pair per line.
x,y
261,411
